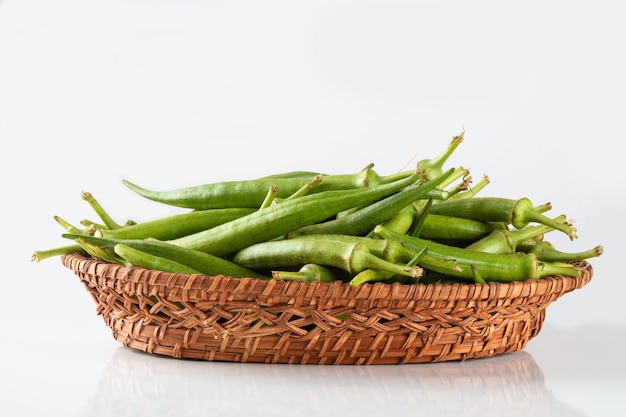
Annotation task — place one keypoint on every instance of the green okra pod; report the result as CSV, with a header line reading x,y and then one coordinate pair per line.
x,y
363,221
280,219
145,260
311,273
489,266
440,227
204,263
252,193
177,225
376,275
545,251
503,240
350,257
518,213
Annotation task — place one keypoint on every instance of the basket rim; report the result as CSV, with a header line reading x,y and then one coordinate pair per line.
x,y
117,275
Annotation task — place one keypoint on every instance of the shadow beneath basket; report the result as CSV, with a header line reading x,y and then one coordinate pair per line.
x,y
139,384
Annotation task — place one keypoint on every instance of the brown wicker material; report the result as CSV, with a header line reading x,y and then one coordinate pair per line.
x,y
222,318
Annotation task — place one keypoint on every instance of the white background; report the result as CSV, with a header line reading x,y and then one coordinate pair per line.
x,y
175,93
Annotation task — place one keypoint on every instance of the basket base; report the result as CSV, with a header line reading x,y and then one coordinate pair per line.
x,y
268,321
347,348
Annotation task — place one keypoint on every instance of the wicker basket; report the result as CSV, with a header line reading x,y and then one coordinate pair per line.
x,y
220,318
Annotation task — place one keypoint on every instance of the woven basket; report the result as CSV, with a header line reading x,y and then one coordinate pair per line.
x,y
220,318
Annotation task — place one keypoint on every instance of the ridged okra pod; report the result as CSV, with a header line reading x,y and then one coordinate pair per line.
x,y
351,257
503,240
201,262
518,213
251,193
491,267
545,251
177,225
311,273
363,221
440,227
145,260
280,219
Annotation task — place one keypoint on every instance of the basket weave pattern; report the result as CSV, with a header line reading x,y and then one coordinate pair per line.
x,y
221,318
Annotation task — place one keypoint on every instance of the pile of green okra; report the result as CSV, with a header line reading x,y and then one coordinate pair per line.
x,y
424,225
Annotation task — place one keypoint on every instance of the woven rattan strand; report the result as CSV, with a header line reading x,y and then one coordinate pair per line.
x,y
220,318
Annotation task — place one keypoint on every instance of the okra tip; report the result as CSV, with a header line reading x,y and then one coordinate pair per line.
x,y
572,233
598,250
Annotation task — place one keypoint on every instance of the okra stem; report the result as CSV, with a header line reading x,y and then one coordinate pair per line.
x,y
67,226
269,198
372,275
104,216
473,190
306,188
545,251
434,167
40,255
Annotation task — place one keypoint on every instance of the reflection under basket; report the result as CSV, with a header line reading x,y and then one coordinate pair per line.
x,y
139,384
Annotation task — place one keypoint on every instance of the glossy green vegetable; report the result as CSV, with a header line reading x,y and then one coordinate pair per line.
x,y
493,267
351,257
199,261
518,213
177,225
364,220
252,193
280,219
425,225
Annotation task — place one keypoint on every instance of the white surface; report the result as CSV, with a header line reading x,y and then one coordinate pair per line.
x,y
174,93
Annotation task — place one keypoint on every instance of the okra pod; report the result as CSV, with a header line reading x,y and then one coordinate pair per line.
x,y
491,267
251,193
546,251
350,257
363,221
503,240
280,219
177,225
518,213
311,273
205,263
148,261
439,227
